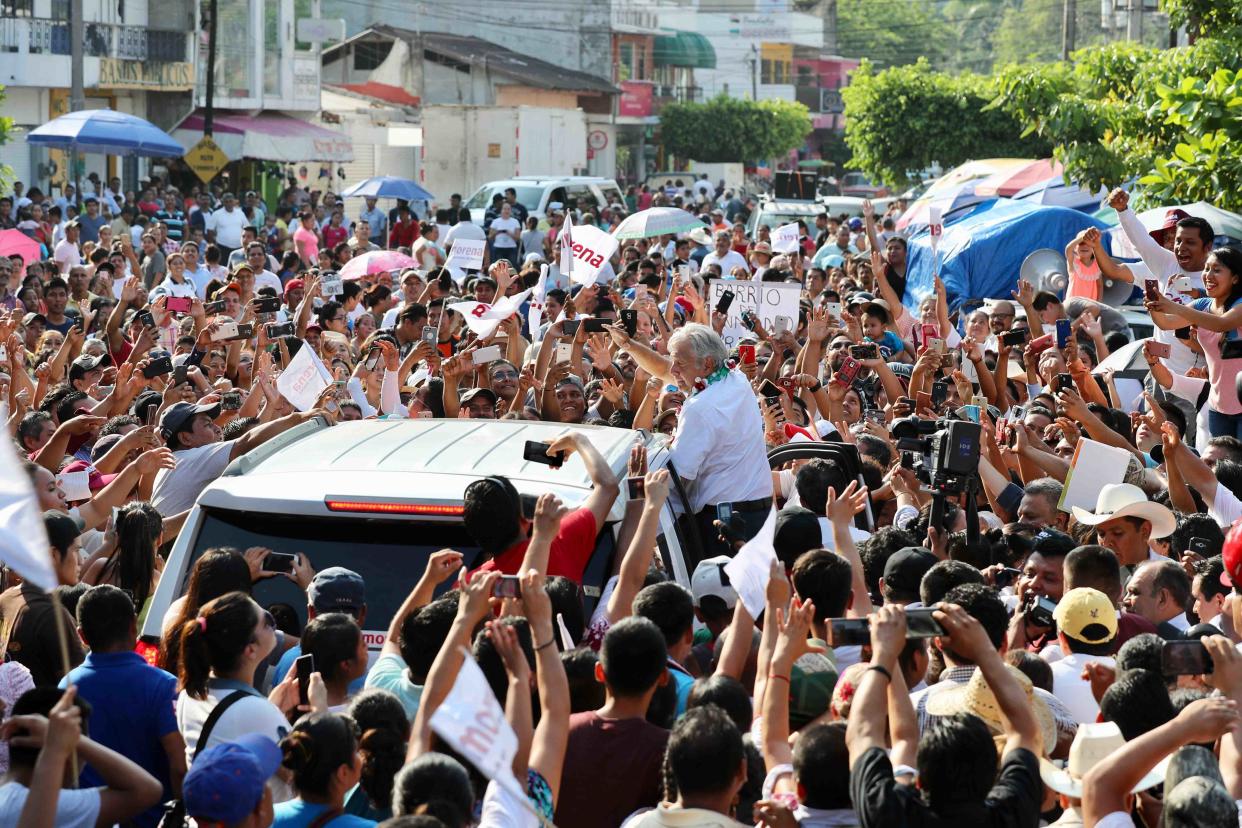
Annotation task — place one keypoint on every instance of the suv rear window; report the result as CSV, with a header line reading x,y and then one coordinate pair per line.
x,y
389,555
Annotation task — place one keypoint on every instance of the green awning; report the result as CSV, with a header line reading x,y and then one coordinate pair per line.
x,y
689,49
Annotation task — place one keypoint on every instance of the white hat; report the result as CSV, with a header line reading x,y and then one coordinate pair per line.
x,y
709,578
699,235
1093,743
1117,500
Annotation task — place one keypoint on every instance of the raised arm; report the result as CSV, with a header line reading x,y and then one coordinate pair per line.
x,y
547,752
549,511
792,642
441,566
604,484
1154,255
867,725
653,363
638,555
841,511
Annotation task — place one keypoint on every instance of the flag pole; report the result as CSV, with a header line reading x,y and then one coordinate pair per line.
x,y
62,637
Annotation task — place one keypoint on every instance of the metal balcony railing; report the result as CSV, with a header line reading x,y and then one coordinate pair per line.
x,y
43,36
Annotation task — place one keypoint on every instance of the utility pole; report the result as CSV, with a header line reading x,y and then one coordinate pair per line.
x,y
754,72
1134,21
1068,20
209,107
77,94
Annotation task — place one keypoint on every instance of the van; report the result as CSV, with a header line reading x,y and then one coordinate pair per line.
x,y
380,496
536,192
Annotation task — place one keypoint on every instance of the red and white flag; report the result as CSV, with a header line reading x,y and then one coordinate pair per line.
x,y
483,318
538,294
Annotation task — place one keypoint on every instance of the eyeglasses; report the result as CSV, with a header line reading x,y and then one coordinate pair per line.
x,y
503,375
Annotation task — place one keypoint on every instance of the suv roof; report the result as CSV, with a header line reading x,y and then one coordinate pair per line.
x,y
547,178
406,461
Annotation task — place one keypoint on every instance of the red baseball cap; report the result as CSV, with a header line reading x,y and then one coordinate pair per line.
x,y
96,480
1231,553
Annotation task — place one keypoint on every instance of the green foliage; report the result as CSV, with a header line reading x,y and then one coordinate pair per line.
x,y
728,129
1212,18
904,118
6,129
892,32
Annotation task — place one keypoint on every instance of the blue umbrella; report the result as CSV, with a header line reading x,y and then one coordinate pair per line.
x,y
387,186
107,132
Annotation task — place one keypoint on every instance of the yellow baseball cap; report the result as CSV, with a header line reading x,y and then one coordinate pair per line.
x,y
1086,615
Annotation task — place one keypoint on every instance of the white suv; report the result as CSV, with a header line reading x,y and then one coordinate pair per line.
x,y
536,192
379,496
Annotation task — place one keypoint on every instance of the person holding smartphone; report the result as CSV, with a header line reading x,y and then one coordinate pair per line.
x,y
1217,318
175,283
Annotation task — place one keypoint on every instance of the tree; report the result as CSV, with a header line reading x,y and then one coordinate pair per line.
x,y
891,32
6,129
906,118
739,130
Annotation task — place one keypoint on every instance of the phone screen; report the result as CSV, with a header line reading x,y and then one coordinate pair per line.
x,y
537,452
508,586
1185,658
921,624
637,487
770,390
278,562
304,665
849,631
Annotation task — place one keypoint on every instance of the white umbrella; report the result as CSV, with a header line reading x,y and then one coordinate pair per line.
x,y
1224,223
657,221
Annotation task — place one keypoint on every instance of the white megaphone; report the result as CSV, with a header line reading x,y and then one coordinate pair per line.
x,y
1045,269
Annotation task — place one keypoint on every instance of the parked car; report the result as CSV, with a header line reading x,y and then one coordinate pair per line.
x,y
857,184
380,496
535,193
774,213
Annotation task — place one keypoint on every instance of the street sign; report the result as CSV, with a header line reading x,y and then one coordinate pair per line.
x,y
206,159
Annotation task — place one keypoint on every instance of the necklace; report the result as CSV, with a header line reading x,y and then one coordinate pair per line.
x,y
716,376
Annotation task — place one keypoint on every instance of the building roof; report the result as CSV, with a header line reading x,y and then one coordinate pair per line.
x,y
520,68
387,93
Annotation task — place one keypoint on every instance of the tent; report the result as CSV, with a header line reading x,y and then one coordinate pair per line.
x,y
982,249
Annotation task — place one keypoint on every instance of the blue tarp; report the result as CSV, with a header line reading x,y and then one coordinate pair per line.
x,y
982,249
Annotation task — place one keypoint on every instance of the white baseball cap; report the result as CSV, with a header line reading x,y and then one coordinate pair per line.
x,y
709,578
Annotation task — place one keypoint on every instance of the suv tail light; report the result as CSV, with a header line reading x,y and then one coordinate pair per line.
x,y
396,507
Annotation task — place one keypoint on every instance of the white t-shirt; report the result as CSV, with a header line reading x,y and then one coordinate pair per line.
x,y
502,809
176,489
74,808
1069,687
718,447
228,226
201,278
727,262
181,290
825,531
463,230
268,279
253,714
1225,507
509,231
67,256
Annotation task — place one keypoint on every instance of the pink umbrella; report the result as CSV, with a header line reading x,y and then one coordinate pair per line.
x,y
17,242
377,261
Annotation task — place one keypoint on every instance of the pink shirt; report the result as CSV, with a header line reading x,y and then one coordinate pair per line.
x,y
307,245
1222,373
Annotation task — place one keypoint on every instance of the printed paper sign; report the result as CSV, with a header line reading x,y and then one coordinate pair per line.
x,y
752,566
785,239
935,226
75,485
472,721
1094,466
592,249
767,300
467,254
304,380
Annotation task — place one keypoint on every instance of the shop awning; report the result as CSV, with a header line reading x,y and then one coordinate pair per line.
x,y
268,136
681,48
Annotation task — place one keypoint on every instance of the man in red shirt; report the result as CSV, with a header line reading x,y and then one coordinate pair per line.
x,y
495,519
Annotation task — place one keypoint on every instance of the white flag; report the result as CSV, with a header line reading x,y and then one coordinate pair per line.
x,y
591,248
467,254
304,379
785,238
565,242
473,723
23,540
538,295
752,566
935,227
483,318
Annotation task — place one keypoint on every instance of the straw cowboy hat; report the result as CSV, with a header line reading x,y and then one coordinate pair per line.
x,y
1093,743
1118,500
976,697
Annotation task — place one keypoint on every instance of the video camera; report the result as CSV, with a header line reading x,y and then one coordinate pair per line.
x,y
946,450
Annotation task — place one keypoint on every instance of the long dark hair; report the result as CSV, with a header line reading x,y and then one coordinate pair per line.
x,y
318,744
385,731
1231,258
215,639
218,572
138,528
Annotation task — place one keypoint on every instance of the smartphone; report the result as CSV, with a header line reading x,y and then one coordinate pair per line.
x,y
939,393
179,304
564,352
158,367
748,320
746,353
907,460
570,326
151,417
1181,284
279,562
1063,332
304,665
331,284
373,356
227,330
848,372
1231,349
230,401
147,320
1201,546
1012,339
844,632
1006,577
1062,382
430,335
637,487
537,452
927,333
1185,658
787,384
724,514
867,350
1043,343
725,300
181,373
629,320
507,586
833,309
782,324
483,356
595,325
1159,350
922,400
1151,289
969,412
921,624
245,331
936,345
265,304
213,307
979,401
769,390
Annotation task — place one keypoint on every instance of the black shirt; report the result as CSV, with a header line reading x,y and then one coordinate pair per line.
x,y
879,800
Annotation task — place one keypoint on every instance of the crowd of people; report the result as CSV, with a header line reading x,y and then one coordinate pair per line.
x,y
922,644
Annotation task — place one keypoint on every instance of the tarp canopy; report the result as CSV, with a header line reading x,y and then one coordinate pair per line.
x,y
982,250
268,136
681,48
